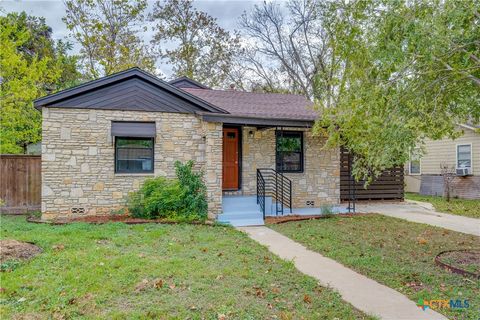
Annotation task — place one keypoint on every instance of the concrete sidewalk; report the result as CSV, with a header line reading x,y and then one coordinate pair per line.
x,y
363,293
422,214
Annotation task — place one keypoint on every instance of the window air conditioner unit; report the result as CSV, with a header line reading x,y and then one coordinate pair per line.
x,y
462,172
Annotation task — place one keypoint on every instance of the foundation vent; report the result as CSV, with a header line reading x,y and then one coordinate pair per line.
x,y
310,203
78,210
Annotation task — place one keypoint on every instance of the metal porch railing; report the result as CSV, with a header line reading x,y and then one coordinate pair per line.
x,y
274,184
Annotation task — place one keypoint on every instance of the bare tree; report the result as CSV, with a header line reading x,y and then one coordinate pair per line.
x,y
294,41
448,174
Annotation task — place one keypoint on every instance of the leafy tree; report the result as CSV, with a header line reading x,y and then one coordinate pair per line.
x,y
31,65
107,31
204,51
405,71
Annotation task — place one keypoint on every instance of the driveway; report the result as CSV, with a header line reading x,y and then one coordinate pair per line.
x,y
422,214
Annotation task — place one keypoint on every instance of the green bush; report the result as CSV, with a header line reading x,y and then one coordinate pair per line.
x,y
195,197
181,199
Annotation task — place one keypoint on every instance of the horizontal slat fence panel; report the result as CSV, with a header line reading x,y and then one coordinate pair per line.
x,y
389,186
20,183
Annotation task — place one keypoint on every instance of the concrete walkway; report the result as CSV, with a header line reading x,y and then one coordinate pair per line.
x,y
363,293
421,213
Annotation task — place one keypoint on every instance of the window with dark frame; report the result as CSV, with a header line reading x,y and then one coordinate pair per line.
x,y
289,151
133,155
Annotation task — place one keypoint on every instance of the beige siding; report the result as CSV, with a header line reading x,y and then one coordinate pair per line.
x,y
444,151
412,183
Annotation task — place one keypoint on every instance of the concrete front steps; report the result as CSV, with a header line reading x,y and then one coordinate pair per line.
x,y
240,211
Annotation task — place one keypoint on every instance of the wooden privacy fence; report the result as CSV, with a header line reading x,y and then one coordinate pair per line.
x,y
389,186
20,183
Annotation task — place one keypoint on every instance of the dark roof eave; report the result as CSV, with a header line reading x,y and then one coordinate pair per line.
x,y
184,78
257,121
133,72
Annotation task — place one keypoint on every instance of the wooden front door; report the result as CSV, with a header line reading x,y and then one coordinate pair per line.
x,y
230,159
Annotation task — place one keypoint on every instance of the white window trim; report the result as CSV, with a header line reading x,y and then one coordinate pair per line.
x,y
410,166
471,155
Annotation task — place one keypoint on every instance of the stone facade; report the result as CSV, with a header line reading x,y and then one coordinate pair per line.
x,y
320,181
78,158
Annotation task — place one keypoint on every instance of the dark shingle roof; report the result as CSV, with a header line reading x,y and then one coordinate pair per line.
x,y
249,104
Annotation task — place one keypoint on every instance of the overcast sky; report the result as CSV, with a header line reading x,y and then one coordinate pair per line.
x,y
226,11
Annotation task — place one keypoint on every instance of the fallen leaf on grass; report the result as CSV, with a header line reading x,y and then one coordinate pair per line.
x,y
275,290
259,292
307,299
172,286
58,247
285,316
219,277
58,316
142,285
221,317
421,240
220,254
158,283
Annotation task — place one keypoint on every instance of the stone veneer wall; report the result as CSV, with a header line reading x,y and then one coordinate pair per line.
x,y
78,158
320,180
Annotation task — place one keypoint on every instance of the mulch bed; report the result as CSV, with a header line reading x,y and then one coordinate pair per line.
x,y
125,218
110,218
457,261
290,218
17,250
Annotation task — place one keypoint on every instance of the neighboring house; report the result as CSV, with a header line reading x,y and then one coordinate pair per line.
x,y
100,140
461,155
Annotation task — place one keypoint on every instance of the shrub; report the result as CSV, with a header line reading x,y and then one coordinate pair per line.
x,y
181,199
195,198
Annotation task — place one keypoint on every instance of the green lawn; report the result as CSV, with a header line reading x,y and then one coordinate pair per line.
x,y
202,272
462,207
394,252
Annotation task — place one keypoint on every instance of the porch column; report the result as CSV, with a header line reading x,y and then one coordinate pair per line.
x,y
213,166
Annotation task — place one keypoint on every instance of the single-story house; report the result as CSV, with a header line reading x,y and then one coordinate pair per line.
x,y
461,156
101,139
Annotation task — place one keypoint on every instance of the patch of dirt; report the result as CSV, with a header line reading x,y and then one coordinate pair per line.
x,y
464,259
15,250
465,262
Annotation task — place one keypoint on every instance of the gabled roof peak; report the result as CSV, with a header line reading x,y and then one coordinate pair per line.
x,y
186,82
131,74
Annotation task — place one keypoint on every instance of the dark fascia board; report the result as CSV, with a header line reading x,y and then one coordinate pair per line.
x,y
257,121
196,83
130,73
